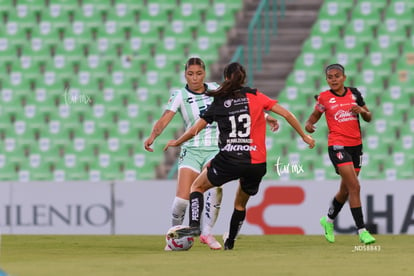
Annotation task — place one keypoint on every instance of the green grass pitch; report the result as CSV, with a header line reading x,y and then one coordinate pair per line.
x,y
41,255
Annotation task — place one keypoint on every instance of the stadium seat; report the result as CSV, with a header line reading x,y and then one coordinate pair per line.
x,y
333,11
311,63
352,47
319,46
369,12
179,32
361,29
377,63
388,48
324,28
400,11
394,29
155,15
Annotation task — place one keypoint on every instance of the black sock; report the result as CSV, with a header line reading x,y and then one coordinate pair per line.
x,y
236,222
196,208
335,208
358,217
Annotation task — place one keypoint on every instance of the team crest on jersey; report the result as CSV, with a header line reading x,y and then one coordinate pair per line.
x,y
227,103
339,155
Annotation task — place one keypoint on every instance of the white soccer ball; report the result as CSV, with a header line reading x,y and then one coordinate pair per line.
x,y
178,244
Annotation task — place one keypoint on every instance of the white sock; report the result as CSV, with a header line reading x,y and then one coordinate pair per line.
x,y
361,230
211,209
179,208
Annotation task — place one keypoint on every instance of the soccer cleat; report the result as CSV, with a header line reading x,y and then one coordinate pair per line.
x,y
228,244
366,238
190,231
210,241
329,229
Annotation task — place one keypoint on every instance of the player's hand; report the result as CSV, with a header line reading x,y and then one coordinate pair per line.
x,y
273,123
356,109
310,127
171,143
309,140
148,143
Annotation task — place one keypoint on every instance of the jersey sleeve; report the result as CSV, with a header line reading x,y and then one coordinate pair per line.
x,y
267,102
320,105
175,101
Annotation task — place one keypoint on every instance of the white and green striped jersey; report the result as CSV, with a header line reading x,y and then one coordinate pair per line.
x,y
190,105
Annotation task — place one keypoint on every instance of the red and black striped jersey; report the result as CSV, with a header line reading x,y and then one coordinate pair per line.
x,y
242,125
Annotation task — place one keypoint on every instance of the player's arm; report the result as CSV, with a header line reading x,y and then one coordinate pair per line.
x,y
158,128
363,111
199,125
272,122
312,120
291,119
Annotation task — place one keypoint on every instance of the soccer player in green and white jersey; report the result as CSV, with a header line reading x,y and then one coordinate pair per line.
x,y
190,102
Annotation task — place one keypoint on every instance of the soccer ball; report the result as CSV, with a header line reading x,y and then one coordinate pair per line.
x,y
178,244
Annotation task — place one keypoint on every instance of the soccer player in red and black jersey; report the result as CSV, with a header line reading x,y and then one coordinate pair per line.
x,y
239,113
342,107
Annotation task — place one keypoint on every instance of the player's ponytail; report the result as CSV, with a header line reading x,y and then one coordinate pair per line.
x,y
234,79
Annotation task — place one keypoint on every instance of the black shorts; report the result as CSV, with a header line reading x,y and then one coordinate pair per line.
x,y
220,172
341,156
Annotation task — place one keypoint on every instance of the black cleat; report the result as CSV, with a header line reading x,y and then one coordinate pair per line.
x,y
190,231
228,244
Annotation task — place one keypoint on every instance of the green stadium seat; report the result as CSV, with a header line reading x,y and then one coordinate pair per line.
x,y
212,29
131,5
86,19
162,6
368,12
400,11
324,28
7,170
332,10
5,7
377,63
110,34
394,29
15,33
122,16
178,32
319,46
233,5
371,168
352,47
188,15
384,45
8,51
171,50
154,17
343,5
54,18
22,16
370,81
147,32
361,29
63,6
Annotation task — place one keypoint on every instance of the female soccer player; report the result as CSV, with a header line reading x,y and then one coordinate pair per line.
x,y
342,107
239,113
191,101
